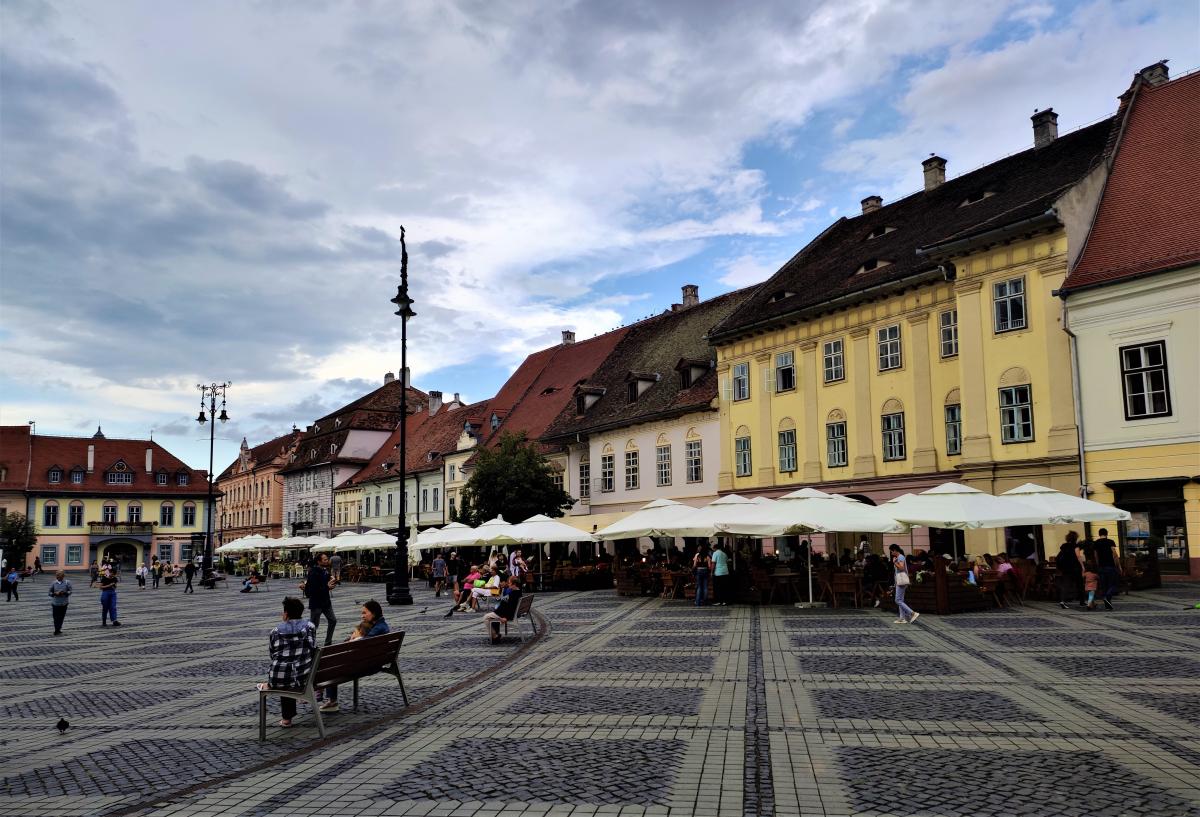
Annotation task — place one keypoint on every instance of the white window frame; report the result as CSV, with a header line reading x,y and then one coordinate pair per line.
x,y
894,444
73,511
49,554
890,354
55,476
662,457
833,356
585,480
1142,375
787,450
742,459
50,516
608,468
632,471
785,362
188,518
108,513
694,458
953,418
1005,296
741,382
1016,414
74,554
133,514
120,478
948,332
837,449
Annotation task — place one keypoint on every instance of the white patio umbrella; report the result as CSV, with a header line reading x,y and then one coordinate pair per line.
x,y
651,519
809,510
542,528
952,505
376,539
495,532
1066,508
727,514
455,534
244,543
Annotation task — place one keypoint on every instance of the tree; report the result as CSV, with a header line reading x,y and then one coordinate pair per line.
x,y
512,480
19,538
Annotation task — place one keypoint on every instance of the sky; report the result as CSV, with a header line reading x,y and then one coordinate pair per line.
x,y
205,192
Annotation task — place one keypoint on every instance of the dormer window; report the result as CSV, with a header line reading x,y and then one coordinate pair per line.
x,y
550,390
332,449
161,478
55,476
586,397
685,378
631,391
977,196
77,475
495,421
637,383
881,230
316,426
181,478
690,370
780,296
580,403
337,423
312,454
872,265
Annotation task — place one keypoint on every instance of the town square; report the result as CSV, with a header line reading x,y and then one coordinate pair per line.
x,y
442,408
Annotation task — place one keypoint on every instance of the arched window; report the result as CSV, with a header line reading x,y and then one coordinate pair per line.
x,y
166,515
189,514
787,445
110,513
742,463
952,414
50,514
892,429
75,514
633,466
134,512
836,445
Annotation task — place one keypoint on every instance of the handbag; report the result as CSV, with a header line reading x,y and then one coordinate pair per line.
x,y
902,580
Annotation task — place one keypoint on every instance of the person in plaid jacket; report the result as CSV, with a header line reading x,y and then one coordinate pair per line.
x,y
293,648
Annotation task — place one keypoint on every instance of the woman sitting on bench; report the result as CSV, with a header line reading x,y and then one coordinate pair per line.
x,y
293,648
372,624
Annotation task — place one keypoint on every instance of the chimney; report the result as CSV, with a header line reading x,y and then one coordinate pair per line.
x,y
676,307
149,460
388,377
871,203
91,458
935,172
457,399
1156,74
435,402
568,337
691,295
1045,127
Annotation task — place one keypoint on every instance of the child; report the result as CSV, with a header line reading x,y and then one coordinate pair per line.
x,y
360,631
1091,583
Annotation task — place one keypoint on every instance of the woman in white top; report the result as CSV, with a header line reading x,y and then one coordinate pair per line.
x,y
907,614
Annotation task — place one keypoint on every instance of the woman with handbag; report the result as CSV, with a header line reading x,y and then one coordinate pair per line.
x,y
907,614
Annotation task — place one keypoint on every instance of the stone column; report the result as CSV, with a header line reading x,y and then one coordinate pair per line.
x,y
765,438
924,457
809,427
973,322
725,474
1063,439
865,414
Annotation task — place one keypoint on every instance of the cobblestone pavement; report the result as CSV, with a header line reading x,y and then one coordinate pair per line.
x,y
627,706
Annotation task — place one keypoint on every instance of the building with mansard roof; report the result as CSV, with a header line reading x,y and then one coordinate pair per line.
x,y
252,491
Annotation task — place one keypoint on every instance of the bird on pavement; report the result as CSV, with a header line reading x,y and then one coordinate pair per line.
x,y
62,726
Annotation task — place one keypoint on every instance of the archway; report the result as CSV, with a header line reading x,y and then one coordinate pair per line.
x,y
123,555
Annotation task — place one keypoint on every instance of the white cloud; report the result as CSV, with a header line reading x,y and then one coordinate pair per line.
x,y
746,270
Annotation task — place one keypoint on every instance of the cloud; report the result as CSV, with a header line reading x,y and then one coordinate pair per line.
x,y
746,270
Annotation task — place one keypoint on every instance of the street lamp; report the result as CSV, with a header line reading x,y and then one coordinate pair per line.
x,y
210,393
398,592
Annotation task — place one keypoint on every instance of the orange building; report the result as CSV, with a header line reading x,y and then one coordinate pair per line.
x,y
251,497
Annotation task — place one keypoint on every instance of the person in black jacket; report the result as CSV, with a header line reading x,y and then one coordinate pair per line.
x,y
506,609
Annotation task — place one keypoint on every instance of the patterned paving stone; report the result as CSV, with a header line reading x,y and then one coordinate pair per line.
x,y
1164,620
1122,666
609,700
647,642
223,668
681,626
932,705
645,663
549,771
884,665
810,622
99,703
55,670
1184,706
980,783
853,639
1065,640
994,622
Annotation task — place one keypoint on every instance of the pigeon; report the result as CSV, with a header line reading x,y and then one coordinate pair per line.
x,y
424,610
62,726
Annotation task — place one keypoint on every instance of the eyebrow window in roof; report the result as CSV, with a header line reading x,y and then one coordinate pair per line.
x,y
882,229
781,295
873,264
977,196
550,390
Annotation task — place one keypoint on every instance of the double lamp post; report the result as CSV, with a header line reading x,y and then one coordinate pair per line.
x,y
398,592
210,393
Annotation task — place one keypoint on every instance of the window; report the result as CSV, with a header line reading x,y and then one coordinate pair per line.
x,y
185,552
632,476
785,371
893,437
49,554
55,476
1009,304
389,504
835,361
189,515
631,391
835,444
694,457
74,554
741,456
437,502
889,347
165,551
948,327
741,381
556,479
161,479
662,456
607,467
378,499
454,506
1016,414
580,404
953,429
495,421
50,515
452,477
424,500
120,478
585,480
787,450
1144,380
75,515
685,377
134,513
110,513
181,479
367,506
77,477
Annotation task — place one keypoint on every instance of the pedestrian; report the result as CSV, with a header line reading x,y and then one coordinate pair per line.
x,y
505,610
94,572
156,572
720,576
439,574
108,598
60,597
455,570
907,614
372,624
12,581
702,565
1091,583
141,575
293,646
189,572
37,564
517,566
335,566
317,586
1070,572
1110,567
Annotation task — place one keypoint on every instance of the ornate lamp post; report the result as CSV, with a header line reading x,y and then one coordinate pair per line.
x,y
398,592
210,393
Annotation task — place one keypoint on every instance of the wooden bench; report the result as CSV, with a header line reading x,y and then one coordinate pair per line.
x,y
523,608
341,664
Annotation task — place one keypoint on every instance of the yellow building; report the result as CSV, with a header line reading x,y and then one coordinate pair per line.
x,y
917,343
127,500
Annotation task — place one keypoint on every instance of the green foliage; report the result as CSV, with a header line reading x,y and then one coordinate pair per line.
x,y
512,480
19,537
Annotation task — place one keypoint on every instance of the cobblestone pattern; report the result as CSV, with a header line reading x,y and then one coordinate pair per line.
x,y
888,666
608,700
645,663
1119,666
97,701
1063,640
1185,707
902,705
649,642
852,639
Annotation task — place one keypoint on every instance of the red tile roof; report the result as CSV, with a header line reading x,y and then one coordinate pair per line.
x,y
1149,216
14,457
264,453
428,438
69,453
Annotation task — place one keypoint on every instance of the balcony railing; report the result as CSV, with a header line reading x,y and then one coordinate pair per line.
x,y
120,528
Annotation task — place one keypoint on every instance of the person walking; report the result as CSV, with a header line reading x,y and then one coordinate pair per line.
x,y
335,566
94,573
141,575
293,647
37,565
439,575
1070,572
316,586
189,572
702,565
12,580
720,574
1110,567
108,598
156,572
907,614
60,597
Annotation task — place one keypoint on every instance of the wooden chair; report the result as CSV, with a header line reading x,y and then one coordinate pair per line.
x,y
846,584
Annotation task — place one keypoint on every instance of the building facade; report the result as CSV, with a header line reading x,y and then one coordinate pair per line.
x,y
251,490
